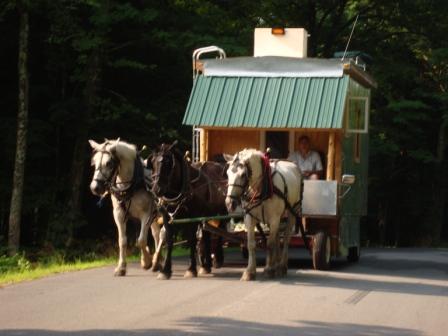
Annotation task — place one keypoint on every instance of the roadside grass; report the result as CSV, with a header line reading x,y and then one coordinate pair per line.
x,y
42,270
18,268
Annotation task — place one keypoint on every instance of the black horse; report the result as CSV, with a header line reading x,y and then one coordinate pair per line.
x,y
187,191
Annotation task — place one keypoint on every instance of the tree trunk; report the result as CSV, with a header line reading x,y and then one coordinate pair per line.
x,y
22,122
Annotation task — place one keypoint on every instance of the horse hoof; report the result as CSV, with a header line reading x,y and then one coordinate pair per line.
x,y
217,264
248,276
269,273
204,270
156,268
120,272
190,274
163,276
146,266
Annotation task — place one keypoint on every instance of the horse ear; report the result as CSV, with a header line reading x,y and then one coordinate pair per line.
x,y
106,140
227,157
187,156
94,145
116,142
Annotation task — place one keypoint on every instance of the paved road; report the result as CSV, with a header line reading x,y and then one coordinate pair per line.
x,y
389,292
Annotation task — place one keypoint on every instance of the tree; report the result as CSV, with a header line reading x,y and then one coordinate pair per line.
x,y
22,125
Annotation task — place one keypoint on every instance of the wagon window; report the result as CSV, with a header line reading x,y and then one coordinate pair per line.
x,y
357,115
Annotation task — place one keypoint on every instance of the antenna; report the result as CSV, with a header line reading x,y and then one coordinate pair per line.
x,y
349,39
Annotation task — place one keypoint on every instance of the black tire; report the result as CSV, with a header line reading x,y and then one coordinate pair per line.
x,y
353,254
245,252
321,251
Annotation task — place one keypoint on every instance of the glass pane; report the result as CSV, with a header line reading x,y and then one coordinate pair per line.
x,y
356,114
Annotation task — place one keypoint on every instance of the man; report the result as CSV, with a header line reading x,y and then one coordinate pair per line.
x,y
307,160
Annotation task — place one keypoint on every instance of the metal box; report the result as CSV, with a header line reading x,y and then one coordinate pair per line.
x,y
320,198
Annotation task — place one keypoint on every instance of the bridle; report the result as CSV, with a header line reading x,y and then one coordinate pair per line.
x,y
161,159
243,186
110,182
107,180
182,195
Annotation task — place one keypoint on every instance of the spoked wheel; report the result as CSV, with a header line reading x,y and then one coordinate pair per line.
x,y
353,254
321,251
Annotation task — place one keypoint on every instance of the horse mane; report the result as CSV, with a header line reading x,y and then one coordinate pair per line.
x,y
124,151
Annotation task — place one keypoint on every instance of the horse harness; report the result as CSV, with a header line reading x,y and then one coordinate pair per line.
x,y
187,189
123,195
257,199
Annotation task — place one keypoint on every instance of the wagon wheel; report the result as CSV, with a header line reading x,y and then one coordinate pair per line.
x,y
353,254
321,251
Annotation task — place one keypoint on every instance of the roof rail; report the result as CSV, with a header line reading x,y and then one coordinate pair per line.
x,y
198,52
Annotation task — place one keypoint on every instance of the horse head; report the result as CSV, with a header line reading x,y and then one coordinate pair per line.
x,y
164,166
106,163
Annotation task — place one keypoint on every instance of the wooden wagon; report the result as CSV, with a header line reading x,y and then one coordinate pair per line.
x,y
272,99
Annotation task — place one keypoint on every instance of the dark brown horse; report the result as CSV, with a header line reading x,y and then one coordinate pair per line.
x,y
186,191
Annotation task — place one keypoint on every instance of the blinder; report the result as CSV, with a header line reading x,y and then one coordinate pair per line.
x,y
112,164
246,178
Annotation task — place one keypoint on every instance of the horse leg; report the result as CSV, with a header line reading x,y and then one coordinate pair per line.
x,y
192,271
206,265
142,243
218,260
158,233
282,267
120,270
251,270
272,249
166,271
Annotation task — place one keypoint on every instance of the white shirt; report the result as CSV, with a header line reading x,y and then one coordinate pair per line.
x,y
310,162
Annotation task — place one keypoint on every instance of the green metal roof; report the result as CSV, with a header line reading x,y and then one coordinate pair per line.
x,y
267,102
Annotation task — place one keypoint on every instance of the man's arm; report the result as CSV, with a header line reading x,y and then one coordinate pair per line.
x,y
317,165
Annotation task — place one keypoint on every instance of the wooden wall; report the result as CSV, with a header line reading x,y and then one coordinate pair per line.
x,y
318,140
230,141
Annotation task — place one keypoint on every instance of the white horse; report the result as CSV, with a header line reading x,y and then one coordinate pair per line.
x,y
120,171
246,177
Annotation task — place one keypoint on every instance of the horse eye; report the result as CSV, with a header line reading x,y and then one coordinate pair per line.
x,y
109,164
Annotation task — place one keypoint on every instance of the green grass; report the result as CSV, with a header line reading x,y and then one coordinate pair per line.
x,y
43,270
17,268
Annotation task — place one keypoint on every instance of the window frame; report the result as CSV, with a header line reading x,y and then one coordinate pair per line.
x,y
365,129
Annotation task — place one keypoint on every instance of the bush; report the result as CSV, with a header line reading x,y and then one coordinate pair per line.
x,y
16,263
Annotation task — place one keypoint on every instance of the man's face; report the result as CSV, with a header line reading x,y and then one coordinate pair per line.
x,y
304,145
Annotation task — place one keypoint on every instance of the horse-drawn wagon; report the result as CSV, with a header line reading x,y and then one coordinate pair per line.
x,y
274,98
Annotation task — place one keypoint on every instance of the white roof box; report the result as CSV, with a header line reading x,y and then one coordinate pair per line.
x,y
293,43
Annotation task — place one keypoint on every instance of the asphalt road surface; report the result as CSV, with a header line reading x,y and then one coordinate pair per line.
x,y
389,292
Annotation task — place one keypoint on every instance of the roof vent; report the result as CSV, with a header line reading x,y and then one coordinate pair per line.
x,y
360,58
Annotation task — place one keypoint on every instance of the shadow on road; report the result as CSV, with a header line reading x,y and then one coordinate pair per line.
x,y
215,326
360,276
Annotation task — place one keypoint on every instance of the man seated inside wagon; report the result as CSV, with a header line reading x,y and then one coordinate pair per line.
x,y
307,160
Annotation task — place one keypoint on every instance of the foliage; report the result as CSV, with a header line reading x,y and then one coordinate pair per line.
x,y
141,54
16,263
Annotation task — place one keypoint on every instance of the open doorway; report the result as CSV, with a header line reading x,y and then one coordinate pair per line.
x,y
278,142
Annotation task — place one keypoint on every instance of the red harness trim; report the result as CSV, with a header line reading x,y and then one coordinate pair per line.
x,y
267,186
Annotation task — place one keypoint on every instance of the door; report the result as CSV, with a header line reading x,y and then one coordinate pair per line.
x,y
278,142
